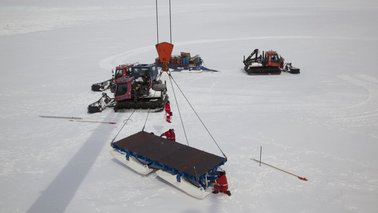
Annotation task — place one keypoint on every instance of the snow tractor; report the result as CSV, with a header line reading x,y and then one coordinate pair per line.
x,y
184,61
137,87
269,62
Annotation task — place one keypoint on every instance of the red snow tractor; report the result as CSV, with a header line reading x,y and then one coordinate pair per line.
x,y
134,86
119,72
268,62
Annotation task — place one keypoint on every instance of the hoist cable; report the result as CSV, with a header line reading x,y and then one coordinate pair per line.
x,y
157,22
203,124
124,124
178,108
170,21
148,114
149,109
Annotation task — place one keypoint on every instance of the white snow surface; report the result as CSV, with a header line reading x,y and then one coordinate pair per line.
x,y
321,124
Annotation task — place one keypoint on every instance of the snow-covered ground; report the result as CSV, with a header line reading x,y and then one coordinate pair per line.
x,y
321,124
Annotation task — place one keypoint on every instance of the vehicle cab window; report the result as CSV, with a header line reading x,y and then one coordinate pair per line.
x,y
118,73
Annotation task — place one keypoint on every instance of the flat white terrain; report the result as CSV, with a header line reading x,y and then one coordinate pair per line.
x,y
321,124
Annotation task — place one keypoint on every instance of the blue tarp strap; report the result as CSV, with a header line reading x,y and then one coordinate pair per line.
x,y
178,177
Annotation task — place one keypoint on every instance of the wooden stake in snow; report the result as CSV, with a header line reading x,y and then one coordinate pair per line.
x,y
289,173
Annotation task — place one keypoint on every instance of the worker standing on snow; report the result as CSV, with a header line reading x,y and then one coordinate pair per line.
x,y
170,135
168,112
221,184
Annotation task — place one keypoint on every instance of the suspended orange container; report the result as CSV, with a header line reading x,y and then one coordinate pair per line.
x,y
164,50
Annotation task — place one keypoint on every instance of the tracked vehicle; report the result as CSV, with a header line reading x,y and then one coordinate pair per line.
x,y
269,62
135,87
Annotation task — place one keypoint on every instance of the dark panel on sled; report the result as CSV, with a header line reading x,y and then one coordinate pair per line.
x,y
175,155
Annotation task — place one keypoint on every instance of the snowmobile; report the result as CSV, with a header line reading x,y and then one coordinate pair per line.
x,y
268,62
139,87
184,61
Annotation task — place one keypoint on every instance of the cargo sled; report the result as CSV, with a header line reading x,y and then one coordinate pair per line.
x,y
185,62
186,168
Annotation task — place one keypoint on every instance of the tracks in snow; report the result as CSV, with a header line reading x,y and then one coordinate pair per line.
x,y
363,113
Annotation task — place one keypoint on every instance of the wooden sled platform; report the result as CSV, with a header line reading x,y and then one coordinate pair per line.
x,y
183,162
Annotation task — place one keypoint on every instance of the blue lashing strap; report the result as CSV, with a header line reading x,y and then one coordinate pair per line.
x,y
178,177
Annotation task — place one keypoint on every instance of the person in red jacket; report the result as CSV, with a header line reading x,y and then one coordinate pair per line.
x,y
170,135
168,112
220,184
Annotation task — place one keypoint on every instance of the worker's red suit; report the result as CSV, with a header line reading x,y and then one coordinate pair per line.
x,y
170,135
168,112
221,184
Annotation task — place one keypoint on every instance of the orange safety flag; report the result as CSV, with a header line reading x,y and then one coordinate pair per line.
x,y
164,50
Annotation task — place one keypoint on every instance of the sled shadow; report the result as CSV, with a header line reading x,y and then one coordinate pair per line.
x,y
57,196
